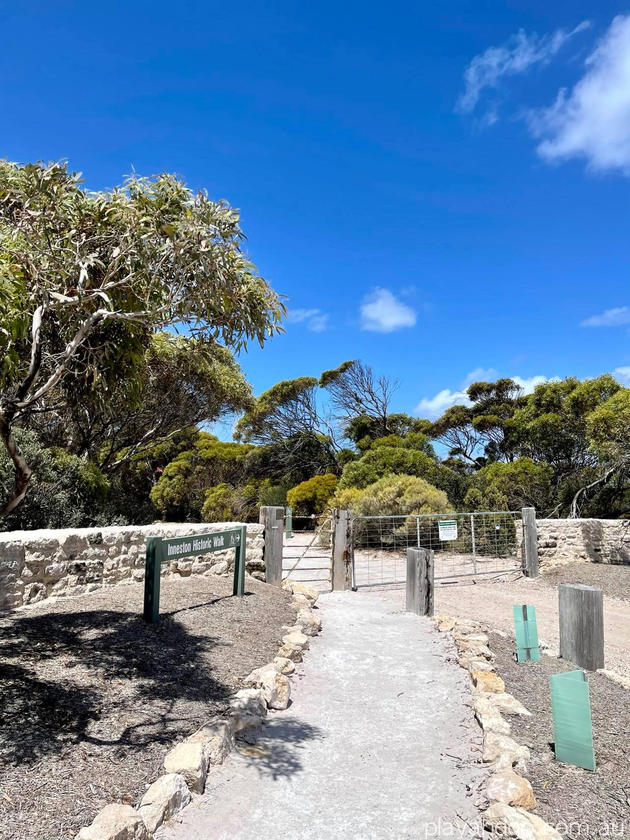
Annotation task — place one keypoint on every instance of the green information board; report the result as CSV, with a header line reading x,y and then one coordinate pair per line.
x,y
571,712
160,550
526,633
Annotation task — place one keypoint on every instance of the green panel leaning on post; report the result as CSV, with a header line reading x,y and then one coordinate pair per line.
x,y
175,548
571,712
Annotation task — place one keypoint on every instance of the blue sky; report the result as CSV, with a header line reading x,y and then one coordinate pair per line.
x,y
411,176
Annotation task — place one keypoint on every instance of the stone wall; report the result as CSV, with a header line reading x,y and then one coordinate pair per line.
x,y
40,564
583,540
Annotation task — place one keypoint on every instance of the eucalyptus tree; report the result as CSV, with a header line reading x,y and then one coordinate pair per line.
x,y
87,277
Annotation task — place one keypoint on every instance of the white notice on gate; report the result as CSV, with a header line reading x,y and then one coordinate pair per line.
x,y
448,530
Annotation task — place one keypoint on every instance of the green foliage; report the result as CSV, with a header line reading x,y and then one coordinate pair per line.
x,y
219,504
311,496
393,495
510,486
86,278
180,493
66,492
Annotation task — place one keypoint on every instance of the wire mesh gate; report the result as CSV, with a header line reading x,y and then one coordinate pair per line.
x,y
466,545
306,550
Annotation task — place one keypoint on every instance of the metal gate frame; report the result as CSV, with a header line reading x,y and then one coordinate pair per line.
x,y
479,538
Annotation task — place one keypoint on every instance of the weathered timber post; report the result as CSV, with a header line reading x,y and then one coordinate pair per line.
x,y
581,611
530,543
420,581
273,519
341,550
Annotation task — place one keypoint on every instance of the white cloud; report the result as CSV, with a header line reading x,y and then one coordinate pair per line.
x,y
592,121
480,374
314,319
381,311
529,385
622,374
617,317
515,56
434,407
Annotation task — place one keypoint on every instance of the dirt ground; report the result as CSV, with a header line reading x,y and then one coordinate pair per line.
x,y
492,602
92,697
577,802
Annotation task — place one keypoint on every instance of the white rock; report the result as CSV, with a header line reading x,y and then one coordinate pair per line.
x,y
188,759
216,738
506,703
300,601
255,678
291,652
168,795
508,822
502,751
310,623
489,716
284,665
508,787
307,591
276,689
115,822
296,639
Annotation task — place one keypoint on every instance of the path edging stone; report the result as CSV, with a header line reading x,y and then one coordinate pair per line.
x,y
509,794
188,762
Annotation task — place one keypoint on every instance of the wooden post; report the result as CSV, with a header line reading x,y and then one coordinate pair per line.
x,y
341,550
581,610
420,581
530,543
273,520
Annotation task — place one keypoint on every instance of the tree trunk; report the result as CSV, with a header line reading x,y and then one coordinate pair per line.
x,y
21,469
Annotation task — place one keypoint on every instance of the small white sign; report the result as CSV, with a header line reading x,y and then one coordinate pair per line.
x,y
448,530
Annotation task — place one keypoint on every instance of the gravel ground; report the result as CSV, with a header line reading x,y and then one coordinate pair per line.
x,y
614,580
577,802
492,602
91,697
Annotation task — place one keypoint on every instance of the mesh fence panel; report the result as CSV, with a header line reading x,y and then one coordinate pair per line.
x,y
465,545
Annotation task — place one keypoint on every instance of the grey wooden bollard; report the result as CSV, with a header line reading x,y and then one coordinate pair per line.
x,y
341,550
530,542
420,581
581,610
273,519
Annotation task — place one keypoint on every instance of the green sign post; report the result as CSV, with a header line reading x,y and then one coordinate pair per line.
x,y
159,550
526,632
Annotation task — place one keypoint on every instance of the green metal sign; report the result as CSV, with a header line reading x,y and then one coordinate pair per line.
x,y
526,632
571,712
160,550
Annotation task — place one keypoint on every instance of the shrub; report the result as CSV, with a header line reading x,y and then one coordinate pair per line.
x,y
400,494
65,492
311,496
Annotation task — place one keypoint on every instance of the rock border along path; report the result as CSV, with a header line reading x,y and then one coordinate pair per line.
x,y
188,763
509,798
378,742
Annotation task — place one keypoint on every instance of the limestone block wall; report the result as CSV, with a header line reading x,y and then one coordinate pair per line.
x,y
583,540
41,564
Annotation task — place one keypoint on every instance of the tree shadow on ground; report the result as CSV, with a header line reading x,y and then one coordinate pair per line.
x,y
274,750
102,677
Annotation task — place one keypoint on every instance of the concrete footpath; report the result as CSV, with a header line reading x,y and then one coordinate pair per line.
x,y
375,744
